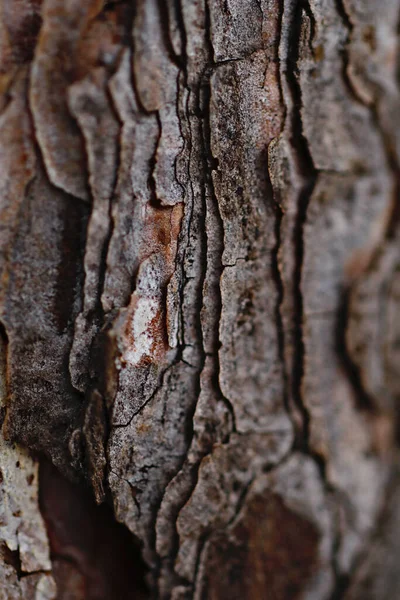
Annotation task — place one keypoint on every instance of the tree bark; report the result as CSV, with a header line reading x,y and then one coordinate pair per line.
x,y
199,262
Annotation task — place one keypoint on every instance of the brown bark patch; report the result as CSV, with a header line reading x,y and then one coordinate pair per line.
x,y
270,553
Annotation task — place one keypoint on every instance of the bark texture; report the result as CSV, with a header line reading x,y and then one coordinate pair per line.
x,y
199,291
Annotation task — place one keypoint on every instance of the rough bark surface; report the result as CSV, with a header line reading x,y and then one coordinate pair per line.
x,y
200,281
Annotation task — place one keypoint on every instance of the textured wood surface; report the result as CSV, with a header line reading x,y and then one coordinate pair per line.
x,y
199,266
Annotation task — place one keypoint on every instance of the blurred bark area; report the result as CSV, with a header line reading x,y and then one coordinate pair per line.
x,y
199,288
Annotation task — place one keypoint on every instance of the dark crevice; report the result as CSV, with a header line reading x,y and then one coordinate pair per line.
x,y
211,164
277,276
4,372
344,52
105,553
183,149
22,32
342,585
165,26
309,174
394,216
275,255
208,162
182,33
363,400
151,182
168,562
201,545
103,358
313,28
124,11
12,558
341,580
70,275
373,544
39,572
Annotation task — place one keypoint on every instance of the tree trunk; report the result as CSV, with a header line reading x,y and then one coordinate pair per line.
x,y
200,275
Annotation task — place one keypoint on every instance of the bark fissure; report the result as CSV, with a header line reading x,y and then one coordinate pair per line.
x,y
309,173
209,165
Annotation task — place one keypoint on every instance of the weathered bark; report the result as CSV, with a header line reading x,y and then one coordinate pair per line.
x,y
199,264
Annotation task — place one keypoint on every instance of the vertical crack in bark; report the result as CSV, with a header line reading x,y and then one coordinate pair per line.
x,y
363,400
154,200
348,25
4,368
209,166
165,22
280,295
279,213
13,558
309,173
